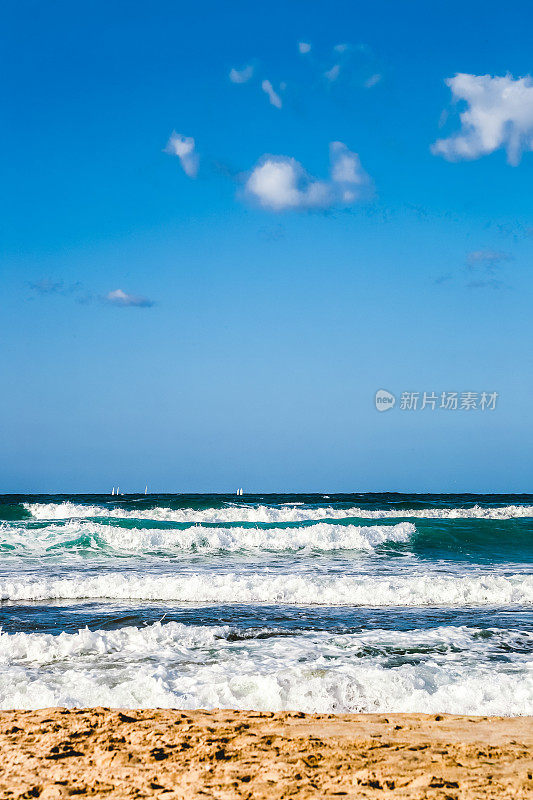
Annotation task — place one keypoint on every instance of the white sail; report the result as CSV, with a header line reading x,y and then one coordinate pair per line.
x,y
146,489
113,490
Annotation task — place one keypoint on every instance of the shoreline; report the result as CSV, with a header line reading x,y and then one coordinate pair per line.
x,y
116,753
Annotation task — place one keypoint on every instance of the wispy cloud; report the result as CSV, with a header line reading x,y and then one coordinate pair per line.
x,y
185,149
354,66
482,269
280,183
274,98
77,292
118,297
347,66
46,286
499,115
373,80
488,283
333,73
241,75
487,260
247,73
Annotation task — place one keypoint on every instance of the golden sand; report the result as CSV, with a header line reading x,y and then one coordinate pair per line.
x,y
55,753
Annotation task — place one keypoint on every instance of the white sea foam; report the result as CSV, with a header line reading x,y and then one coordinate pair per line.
x,y
322,536
427,589
447,669
262,513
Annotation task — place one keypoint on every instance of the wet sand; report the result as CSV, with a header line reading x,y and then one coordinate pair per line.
x,y
55,753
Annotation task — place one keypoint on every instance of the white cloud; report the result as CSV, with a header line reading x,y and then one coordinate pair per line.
x,y
341,48
499,115
242,75
184,148
333,73
274,98
345,165
304,47
120,298
280,183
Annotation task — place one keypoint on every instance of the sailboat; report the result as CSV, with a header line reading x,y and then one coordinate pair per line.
x,y
113,490
239,492
146,489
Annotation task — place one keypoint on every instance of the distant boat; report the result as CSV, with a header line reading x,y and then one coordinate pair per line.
x,y
113,490
239,492
146,489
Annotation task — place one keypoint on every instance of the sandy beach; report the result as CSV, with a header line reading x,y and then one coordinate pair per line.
x,y
55,753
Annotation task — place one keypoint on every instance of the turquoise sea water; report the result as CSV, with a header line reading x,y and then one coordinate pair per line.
x,y
313,602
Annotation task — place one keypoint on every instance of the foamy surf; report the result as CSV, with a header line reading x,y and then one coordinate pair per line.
x,y
322,576
269,589
447,669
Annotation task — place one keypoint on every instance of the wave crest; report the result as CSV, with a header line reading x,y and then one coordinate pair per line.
x,y
84,534
262,513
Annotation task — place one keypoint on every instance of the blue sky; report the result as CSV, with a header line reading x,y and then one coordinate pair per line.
x,y
224,318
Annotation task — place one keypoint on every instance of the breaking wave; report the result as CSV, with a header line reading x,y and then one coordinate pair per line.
x,y
270,588
262,513
85,534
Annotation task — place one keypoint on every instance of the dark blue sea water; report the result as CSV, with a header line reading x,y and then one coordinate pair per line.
x,y
361,602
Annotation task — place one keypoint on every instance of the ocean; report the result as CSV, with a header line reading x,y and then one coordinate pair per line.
x,y
317,603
